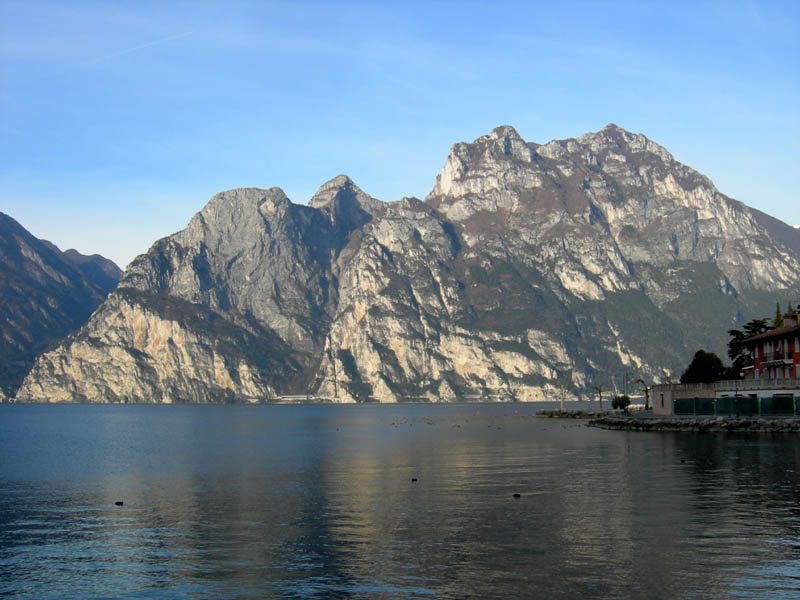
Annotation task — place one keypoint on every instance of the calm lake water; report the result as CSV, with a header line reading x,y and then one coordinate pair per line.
x,y
321,502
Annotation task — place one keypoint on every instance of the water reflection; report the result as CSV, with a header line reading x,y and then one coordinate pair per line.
x,y
312,502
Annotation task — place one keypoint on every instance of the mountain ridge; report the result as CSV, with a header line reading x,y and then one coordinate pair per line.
x,y
528,267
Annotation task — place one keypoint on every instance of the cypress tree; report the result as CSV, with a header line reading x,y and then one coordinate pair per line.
x,y
778,316
705,367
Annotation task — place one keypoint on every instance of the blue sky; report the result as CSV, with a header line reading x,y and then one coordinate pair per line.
x,y
119,120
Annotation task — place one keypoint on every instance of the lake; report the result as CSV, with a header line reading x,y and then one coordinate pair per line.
x,y
404,501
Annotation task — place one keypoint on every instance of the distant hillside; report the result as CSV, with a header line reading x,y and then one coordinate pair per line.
x,y
44,295
97,269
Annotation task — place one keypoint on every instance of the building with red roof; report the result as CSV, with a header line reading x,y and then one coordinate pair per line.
x,y
771,384
776,353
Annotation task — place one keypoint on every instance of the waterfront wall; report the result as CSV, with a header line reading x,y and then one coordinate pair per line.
x,y
741,396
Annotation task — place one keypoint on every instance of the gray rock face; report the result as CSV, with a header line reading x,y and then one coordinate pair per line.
x,y
624,195
43,297
529,268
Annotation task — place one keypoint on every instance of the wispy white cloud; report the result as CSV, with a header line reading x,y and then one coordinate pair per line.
x,y
137,48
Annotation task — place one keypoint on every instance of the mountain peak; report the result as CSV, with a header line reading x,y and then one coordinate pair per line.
x,y
328,190
613,136
341,192
503,135
613,127
505,131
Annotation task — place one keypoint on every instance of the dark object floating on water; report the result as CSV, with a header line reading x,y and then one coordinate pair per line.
x,y
517,496
119,503
413,479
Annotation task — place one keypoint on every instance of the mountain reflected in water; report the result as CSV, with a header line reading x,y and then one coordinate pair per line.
x,y
386,501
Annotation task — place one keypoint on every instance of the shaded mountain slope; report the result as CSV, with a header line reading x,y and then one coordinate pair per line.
x,y
43,297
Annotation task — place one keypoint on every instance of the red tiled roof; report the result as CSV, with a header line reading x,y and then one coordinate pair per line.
x,y
779,332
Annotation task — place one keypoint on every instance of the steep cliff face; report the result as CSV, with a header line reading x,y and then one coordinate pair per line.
x,y
146,348
528,268
43,297
393,332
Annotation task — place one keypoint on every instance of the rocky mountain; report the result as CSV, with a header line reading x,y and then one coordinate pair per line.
x,y
44,295
527,268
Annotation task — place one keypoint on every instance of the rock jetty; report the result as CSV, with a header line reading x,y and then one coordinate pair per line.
x,y
700,424
572,414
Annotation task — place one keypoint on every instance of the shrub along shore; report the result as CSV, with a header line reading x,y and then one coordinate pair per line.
x,y
700,424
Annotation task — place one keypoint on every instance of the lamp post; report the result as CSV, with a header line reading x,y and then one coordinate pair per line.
x,y
646,393
741,374
599,390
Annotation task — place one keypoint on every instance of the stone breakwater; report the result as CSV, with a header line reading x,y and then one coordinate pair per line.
x,y
708,424
572,414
